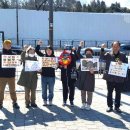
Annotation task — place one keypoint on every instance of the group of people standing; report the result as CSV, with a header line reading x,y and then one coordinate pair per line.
x,y
84,82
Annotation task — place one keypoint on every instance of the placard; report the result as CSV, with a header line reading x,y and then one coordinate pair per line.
x,y
11,61
49,62
118,69
32,65
89,63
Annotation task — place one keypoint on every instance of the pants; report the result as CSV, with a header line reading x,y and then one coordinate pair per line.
x,y
89,97
110,87
11,83
30,98
48,82
68,88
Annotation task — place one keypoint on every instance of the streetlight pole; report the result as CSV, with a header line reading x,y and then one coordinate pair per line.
x,y
17,23
51,23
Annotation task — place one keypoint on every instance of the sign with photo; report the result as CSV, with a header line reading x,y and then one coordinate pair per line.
x,y
11,61
117,69
32,65
49,62
89,63
129,61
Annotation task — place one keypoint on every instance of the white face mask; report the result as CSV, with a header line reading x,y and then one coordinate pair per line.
x,y
31,55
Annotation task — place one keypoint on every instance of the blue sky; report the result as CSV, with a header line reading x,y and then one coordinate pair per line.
x,y
123,3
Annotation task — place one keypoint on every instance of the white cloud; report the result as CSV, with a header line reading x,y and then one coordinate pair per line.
x,y
123,3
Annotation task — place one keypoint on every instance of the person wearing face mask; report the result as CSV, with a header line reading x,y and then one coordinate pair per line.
x,y
67,81
86,80
28,79
47,75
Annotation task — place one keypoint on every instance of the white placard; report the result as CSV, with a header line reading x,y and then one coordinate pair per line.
x,y
88,63
11,61
32,65
49,62
117,69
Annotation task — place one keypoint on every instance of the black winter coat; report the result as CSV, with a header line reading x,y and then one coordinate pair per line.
x,y
46,71
6,72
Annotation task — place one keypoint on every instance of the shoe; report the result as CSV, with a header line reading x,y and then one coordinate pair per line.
x,y
71,104
118,110
1,106
50,103
33,105
45,103
87,107
83,106
64,103
28,106
16,106
110,109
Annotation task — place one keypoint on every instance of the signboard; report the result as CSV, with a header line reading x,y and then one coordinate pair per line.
x,y
11,61
49,62
117,69
89,63
32,65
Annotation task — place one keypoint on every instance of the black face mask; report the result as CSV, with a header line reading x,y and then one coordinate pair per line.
x,y
88,56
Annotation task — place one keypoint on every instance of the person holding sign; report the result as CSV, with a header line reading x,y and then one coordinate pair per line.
x,y
7,76
48,74
67,64
113,81
28,79
86,79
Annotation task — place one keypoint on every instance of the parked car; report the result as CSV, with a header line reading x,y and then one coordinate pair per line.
x,y
17,49
96,51
125,48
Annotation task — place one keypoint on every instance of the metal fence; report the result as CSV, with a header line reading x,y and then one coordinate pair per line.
x,y
59,44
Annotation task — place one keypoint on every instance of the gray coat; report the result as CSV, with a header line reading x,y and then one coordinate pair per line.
x,y
85,81
28,79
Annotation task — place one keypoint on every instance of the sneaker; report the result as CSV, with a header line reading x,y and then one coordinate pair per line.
x,y
33,105
28,106
1,106
83,106
16,106
71,104
50,103
118,110
45,103
110,109
87,107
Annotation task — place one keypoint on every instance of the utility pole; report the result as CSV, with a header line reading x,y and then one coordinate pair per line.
x,y
51,23
17,23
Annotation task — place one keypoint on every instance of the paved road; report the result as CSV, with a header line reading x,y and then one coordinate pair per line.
x,y
57,117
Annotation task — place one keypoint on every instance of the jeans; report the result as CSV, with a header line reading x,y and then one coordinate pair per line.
x,y
48,82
